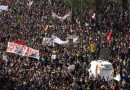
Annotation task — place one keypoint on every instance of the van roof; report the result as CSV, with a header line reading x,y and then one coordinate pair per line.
x,y
103,63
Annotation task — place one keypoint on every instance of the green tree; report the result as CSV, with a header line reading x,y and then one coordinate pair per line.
x,y
77,6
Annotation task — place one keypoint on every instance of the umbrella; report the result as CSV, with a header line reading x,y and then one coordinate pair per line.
x,y
104,53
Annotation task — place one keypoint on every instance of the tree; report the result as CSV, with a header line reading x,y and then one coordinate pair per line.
x,y
79,7
125,4
78,4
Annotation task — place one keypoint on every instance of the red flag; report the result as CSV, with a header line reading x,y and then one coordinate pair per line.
x,y
21,42
109,35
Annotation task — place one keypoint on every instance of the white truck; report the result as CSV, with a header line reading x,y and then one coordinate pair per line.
x,y
101,68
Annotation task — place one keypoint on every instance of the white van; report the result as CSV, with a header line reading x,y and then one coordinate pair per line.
x,y
101,68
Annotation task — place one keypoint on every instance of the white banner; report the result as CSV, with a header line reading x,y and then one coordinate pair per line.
x,y
53,56
22,50
71,68
2,7
54,15
58,40
117,77
74,37
5,57
32,53
62,18
47,41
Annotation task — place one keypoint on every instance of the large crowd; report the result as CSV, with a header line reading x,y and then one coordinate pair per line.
x,y
23,23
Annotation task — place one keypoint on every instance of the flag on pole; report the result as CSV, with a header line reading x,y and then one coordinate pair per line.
x,y
66,16
109,35
46,28
91,48
30,3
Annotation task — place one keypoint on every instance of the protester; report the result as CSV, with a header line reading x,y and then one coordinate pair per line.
x,y
30,21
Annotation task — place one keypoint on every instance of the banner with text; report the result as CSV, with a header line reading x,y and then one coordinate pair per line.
x,y
22,50
2,7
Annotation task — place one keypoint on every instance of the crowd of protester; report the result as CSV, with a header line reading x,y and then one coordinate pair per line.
x,y
21,22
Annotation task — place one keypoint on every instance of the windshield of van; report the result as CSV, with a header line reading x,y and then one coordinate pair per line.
x,y
107,66
105,73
